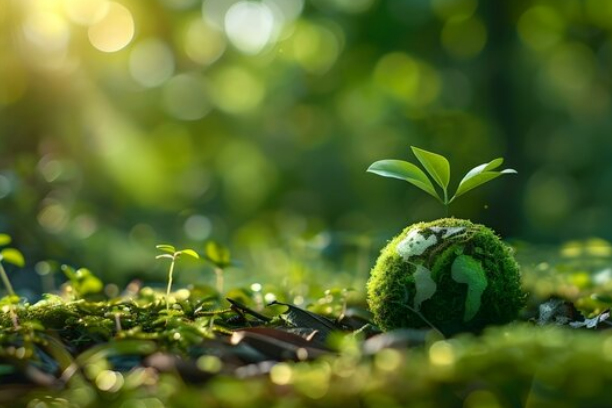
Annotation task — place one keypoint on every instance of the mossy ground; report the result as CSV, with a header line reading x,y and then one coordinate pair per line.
x,y
391,287
73,354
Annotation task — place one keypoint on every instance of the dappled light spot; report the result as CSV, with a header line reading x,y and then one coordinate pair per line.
x,y
109,380
47,37
202,43
388,359
446,9
151,62
236,90
86,12
314,47
464,37
53,216
114,31
281,374
407,79
185,97
84,226
249,26
441,353
198,227
541,27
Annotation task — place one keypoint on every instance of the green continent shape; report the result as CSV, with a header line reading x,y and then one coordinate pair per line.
x,y
425,286
468,270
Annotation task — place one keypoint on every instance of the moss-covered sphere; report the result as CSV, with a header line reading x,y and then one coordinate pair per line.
x,y
457,275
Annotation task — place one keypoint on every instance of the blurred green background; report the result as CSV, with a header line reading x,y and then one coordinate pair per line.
x,y
124,124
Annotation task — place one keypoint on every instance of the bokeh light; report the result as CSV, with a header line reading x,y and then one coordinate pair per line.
x,y
541,27
237,90
464,37
86,12
186,97
203,43
114,31
249,26
151,62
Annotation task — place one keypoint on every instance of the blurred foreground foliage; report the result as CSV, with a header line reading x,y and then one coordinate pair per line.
x,y
128,350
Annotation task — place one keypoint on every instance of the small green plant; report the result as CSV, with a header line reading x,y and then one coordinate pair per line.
x,y
438,168
12,256
172,254
220,257
82,281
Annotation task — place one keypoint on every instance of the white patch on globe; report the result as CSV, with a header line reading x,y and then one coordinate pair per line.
x,y
447,231
415,244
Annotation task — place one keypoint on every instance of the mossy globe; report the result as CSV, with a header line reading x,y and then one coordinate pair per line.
x,y
450,273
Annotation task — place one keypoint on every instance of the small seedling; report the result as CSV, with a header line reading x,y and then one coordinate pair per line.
x,y
172,254
82,281
12,256
220,257
438,168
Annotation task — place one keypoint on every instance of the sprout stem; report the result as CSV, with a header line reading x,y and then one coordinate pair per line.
x,y
170,272
219,275
6,281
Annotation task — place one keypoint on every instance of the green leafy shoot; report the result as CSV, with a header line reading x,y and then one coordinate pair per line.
x,y
12,256
82,281
221,258
468,270
438,169
171,253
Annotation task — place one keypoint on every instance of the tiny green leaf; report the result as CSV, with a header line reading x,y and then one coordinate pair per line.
x,y
406,171
436,165
425,286
468,270
87,283
13,256
164,256
190,252
5,239
166,248
217,254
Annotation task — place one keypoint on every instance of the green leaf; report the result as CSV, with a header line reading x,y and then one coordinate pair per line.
x,y
166,248
480,175
190,252
87,283
5,239
217,254
436,165
468,270
406,171
13,256
164,256
425,286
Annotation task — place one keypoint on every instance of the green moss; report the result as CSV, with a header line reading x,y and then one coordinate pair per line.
x,y
436,246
